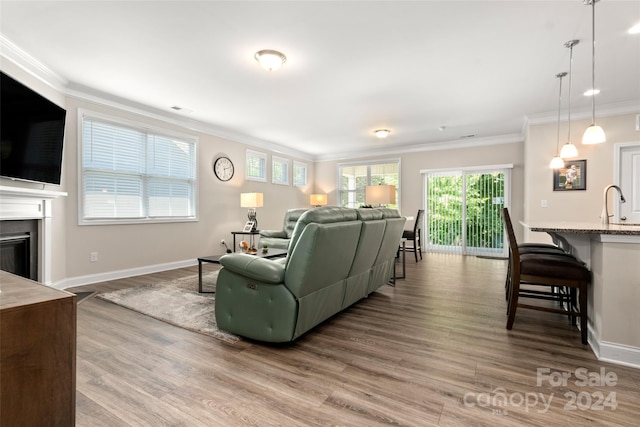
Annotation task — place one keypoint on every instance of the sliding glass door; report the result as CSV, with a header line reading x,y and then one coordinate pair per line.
x,y
463,210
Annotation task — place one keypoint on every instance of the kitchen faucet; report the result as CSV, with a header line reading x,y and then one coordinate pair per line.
x,y
605,209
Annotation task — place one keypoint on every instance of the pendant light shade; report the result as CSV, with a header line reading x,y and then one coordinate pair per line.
x,y
568,149
594,133
557,162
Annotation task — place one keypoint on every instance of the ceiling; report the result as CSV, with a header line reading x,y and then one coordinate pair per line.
x,y
433,72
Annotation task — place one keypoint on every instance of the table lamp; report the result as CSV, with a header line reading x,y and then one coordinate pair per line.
x,y
380,195
318,200
251,201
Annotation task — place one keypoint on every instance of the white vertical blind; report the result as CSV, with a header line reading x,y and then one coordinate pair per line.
x,y
463,210
131,173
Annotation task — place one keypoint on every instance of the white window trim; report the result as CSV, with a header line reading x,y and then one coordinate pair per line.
x,y
369,163
252,153
283,161
303,166
82,113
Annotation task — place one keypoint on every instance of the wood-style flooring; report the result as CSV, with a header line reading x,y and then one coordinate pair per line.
x,y
431,351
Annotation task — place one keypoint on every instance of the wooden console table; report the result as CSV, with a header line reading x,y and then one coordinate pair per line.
x,y
37,354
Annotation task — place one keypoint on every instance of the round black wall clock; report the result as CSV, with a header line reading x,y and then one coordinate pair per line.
x,y
223,168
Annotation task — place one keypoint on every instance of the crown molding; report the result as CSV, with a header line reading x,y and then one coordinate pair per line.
x,y
10,51
430,146
606,110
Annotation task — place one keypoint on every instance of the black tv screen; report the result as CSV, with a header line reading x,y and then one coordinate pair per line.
x,y
32,129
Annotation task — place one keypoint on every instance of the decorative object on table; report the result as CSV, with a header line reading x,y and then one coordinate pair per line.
x,y
223,168
248,226
380,195
265,249
573,176
318,200
251,201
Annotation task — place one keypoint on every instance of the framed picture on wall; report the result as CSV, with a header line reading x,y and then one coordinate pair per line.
x,y
248,227
573,176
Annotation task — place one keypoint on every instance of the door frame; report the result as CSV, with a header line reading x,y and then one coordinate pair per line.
x,y
617,154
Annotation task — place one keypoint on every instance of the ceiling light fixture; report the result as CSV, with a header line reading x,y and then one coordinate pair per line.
x,y
591,92
557,162
594,133
635,29
382,133
270,59
568,149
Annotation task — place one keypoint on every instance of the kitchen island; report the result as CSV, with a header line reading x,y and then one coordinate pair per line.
x,y
612,253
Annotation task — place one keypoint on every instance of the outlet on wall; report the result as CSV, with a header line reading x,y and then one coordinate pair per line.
x,y
94,256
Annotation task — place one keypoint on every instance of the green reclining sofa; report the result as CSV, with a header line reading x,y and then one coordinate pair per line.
x,y
336,257
279,239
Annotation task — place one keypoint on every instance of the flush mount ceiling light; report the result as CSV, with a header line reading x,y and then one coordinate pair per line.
x,y
270,59
568,149
382,133
594,133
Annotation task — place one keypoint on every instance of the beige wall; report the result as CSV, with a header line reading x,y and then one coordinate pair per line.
x,y
583,206
122,247
411,197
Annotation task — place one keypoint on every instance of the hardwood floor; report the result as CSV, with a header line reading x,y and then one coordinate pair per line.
x,y
431,351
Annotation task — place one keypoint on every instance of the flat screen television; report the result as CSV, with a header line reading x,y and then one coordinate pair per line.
x,y
32,134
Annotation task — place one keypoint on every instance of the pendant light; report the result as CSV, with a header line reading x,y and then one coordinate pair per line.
x,y
594,133
568,149
557,162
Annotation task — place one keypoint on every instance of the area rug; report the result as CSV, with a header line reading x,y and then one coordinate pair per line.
x,y
176,302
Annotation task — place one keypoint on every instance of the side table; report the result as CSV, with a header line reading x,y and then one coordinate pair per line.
x,y
249,233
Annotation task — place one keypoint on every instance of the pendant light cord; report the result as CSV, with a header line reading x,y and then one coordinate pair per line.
x,y
571,44
593,61
560,76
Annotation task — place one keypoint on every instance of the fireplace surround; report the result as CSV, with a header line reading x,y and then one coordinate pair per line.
x,y
33,209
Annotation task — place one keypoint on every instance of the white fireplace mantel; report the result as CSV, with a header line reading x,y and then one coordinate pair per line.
x,y
17,203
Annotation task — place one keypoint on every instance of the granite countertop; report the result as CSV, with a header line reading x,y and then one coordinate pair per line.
x,y
583,227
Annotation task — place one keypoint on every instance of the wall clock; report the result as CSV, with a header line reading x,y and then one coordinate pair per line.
x,y
223,168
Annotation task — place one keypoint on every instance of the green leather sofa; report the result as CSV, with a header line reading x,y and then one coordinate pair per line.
x,y
336,257
279,239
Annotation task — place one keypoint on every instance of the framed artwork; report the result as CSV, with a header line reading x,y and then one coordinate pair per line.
x,y
573,176
248,226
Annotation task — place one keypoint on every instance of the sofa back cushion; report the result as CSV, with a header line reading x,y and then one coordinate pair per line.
x,y
322,249
290,219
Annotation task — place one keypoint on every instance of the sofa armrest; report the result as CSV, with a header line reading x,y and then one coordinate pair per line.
x,y
262,269
274,233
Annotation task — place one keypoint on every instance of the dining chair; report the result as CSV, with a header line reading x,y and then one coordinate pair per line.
x,y
528,248
415,236
544,275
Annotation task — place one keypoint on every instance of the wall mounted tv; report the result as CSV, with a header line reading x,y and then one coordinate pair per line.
x,y
32,134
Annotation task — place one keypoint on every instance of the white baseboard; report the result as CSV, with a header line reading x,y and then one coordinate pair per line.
x,y
611,352
120,274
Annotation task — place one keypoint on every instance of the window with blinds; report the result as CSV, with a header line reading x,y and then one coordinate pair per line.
x,y
355,177
299,174
131,173
256,163
279,170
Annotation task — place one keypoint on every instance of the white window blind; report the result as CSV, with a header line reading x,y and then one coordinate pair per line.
x,y
256,166
135,174
279,170
299,174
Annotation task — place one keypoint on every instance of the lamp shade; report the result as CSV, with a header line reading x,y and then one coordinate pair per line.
x,y
568,151
251,200
318,199
593,135
380,194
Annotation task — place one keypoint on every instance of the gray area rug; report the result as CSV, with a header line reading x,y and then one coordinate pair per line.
x,y
176,302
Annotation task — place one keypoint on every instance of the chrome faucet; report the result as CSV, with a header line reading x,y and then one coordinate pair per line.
x,y
605,208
